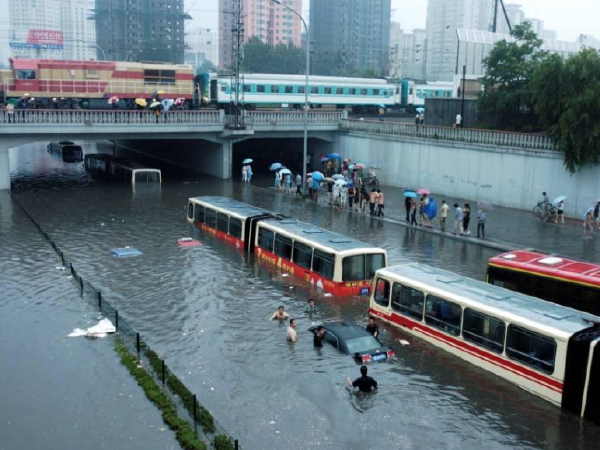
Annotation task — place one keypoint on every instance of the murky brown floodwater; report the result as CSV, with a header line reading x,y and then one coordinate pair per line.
x,y
205,309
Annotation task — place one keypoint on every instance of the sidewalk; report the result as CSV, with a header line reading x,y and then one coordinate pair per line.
x,y
506,229
58,392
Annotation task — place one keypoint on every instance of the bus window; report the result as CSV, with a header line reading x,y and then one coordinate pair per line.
x,y
408,301
190,210
302,255
235,227
323,264
375,262
382,292
443,314
483,330
531,348
210,217
265,239
223,222
283,246
353,268
199,214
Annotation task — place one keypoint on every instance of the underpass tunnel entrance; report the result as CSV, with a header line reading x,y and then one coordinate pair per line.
x,y
288,151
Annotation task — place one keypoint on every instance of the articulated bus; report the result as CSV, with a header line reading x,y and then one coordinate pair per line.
x,y
66,150
547,349
560,280
331,262
120,169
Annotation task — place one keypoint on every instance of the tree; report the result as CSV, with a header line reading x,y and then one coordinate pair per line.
x,y
506,100
263,58
567,99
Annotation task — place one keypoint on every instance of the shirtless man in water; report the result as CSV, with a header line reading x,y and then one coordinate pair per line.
x,y
280,314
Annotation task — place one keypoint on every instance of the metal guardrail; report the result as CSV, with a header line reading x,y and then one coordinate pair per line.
x,y
94,117
471,135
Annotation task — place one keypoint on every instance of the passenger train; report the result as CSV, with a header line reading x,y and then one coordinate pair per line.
x,y
329,261
547,349
89,84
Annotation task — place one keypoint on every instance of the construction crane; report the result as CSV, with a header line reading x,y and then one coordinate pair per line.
x,y
495,24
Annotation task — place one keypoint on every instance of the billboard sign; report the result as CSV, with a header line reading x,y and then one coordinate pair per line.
x,y
41,40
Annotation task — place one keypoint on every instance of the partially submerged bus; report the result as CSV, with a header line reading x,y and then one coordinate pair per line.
x,y
329,261
66,150
547,349
567,282
120,169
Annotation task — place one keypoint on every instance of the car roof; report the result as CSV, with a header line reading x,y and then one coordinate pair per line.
x,y
346,330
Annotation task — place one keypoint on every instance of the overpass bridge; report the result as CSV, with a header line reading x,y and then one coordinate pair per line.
x,y
205,139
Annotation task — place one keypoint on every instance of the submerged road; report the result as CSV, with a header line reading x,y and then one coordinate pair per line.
x,y
205,310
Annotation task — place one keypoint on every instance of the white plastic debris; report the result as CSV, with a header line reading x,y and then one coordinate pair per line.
x,y
327,294
285,275
59,268
101,329
403,342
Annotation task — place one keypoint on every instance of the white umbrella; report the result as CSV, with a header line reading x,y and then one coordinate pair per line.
x,y
285,171
248,161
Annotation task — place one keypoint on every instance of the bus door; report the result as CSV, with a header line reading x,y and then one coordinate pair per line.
x,y
250,227
581,392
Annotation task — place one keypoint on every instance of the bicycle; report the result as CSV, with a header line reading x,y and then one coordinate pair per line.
x,y
545,212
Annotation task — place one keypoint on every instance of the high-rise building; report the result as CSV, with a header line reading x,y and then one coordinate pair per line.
x,y
34,28
141,30
350,36
444,17
587,40
79,32
515,14
414,54
272,23
396,50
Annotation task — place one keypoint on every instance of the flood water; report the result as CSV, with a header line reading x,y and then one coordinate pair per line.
x,y
205,311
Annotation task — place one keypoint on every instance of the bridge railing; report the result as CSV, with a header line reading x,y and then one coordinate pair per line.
x,y
96,117
294,117
471,135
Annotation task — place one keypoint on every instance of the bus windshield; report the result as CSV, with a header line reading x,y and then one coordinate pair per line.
x,y
143,176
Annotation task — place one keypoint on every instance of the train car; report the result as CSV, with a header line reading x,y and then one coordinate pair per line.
x,y
565,281
329,261
89,84
273,90
413,94
547,349
66,150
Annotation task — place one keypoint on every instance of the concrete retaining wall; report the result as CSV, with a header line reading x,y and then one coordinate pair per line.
x,y
505,176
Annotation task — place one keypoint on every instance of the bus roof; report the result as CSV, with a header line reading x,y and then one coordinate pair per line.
x,y
132,165
242,210
312,233
550,266
505,302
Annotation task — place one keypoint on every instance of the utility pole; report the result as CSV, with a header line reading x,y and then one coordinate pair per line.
x,y
236,111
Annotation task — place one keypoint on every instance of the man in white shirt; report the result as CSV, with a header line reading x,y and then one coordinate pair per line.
x,y
444,215
458,120
291,334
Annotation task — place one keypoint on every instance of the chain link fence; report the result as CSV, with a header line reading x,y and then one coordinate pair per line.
x,y
186,402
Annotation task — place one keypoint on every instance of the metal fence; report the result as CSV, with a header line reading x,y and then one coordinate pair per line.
x,y
186,402
470,135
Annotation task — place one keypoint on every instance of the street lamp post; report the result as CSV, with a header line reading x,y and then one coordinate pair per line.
x,y
305,147
91,44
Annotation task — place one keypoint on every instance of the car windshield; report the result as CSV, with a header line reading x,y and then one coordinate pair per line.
x,y
362,344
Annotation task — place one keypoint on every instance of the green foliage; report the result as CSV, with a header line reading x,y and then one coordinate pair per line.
x,y
567,99
263,58
222,442
506,100
186,436
202,415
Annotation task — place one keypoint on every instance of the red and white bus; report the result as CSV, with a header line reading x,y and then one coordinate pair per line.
x,y
559,280
547,349
329,261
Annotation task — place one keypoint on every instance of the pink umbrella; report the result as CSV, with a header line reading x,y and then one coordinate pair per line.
x,y
179,101
112,100
423,192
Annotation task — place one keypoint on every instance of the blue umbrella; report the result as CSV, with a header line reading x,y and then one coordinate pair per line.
x,y
317,176
589,210
334,156
248,161
324,159
381,105
275,166
411,194
560,198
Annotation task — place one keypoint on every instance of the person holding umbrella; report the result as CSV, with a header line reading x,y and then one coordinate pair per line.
x,y
244,173
299,184
407,204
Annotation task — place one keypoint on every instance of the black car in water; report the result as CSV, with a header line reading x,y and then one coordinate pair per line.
x,y
355,340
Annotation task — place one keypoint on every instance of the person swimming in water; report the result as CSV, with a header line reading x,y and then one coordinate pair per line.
x,y
280,314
